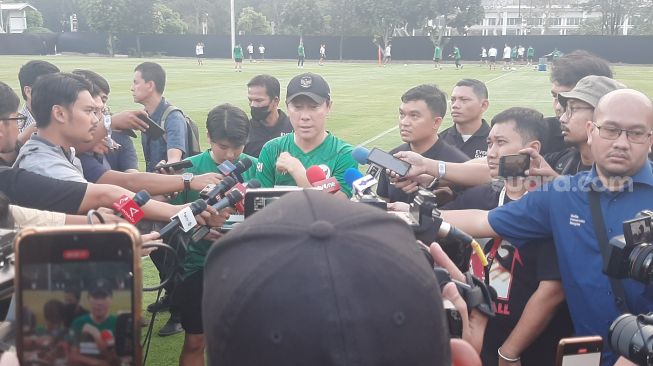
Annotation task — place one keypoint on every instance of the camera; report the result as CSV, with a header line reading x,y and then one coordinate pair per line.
x,y
631,336
631,255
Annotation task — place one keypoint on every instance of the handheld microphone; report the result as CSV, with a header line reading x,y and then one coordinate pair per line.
x,y
241,166
361,154
237,203
226,168
362,186
318,179
230,198
220,189
130,209
444,230
184,218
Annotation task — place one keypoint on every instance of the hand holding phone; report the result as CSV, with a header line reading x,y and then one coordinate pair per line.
x,y
579,351
184,164
154,131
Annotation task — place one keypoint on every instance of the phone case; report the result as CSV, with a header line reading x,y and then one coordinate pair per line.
x,y
569,346
136,241
154,131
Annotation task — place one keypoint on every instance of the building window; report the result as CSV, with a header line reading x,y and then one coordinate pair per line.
x,y
574,21
500,21
514,21
492,21
555,21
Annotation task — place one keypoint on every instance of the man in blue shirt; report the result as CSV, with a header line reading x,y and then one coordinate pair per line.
x,y
147,89
620,139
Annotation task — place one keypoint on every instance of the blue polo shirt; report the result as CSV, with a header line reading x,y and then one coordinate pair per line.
x,y
561,210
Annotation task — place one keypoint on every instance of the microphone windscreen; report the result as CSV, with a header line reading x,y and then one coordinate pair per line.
x,y
243,165
360,154
254,183
315,174
141,197
198,206
351,175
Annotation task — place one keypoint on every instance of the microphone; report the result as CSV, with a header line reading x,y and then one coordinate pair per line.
x,y
184,218
444,230
241,166
242,188
231,198
130,209
226,168
361,155
318,179
220,189
362,186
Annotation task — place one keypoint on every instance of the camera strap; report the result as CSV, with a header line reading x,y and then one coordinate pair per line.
x,y
602,236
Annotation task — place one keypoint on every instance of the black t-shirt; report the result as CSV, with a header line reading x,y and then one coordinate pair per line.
x,y
32,190
566,162
259,134
515,274
474,147
553,141
439,151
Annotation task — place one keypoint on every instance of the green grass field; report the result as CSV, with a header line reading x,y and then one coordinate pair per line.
x,y
366,99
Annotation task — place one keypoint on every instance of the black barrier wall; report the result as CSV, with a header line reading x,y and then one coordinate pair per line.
x,y
630,49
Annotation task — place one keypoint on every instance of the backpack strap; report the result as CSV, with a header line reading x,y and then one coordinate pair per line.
x,y
166,113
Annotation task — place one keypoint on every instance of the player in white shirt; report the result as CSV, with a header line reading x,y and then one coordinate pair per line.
x,y
199,52
506,57
492,53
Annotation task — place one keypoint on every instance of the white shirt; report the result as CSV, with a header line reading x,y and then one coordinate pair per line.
x,y
520,51
492,52
199,50
250,49
388,50
506,52
322,50
261,49
483,53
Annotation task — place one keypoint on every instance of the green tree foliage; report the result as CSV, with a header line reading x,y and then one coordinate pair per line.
x,y
252,22
166,20
34,18
613,12
302,17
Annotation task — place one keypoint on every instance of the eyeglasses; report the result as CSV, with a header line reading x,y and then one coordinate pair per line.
x,y
19,118
569,111
613,133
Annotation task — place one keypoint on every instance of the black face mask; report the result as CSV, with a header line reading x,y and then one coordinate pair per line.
x,y
260,113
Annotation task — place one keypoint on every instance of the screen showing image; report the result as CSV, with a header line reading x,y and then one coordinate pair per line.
x,y
77,311
586,359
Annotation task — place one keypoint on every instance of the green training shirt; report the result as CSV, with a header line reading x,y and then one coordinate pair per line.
x,y
300,51
238,52
203,163
437,53
530,52
456,53
332,155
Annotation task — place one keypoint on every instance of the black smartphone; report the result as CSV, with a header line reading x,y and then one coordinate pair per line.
x,y
154,131
514,165
78,293
579,351
387,161
184,164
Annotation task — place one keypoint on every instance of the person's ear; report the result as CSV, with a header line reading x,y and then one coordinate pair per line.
x,y
437,122
589,126
463,354
535,145
485,105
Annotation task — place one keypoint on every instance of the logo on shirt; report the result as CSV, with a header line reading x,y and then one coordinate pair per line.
x,y
574,220
480,154
326,170
259,167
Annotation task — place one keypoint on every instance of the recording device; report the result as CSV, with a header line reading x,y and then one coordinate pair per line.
x,y
259,198
184,219
631,336
631,255
219,189
130,209
514,165
360,154
235,171
319,181
184,164
95,267
579,351
154,131
382,159
362,187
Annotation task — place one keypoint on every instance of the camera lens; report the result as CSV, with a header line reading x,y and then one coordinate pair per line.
x,y
641,263
631,339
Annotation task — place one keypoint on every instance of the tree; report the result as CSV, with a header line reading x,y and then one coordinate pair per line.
x,y
34,18
252,22
613,13
166,20
302,17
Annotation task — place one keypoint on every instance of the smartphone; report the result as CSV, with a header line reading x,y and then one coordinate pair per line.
x,y
579,351
387,161
154,131
175,166
78,295
514,165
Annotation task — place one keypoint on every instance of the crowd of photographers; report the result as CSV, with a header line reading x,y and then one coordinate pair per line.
x,y
318,279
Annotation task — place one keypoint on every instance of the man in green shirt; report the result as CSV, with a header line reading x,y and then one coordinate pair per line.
x,y
301,55
228,128
530,54
283,160
437,57
457,57
238,57
93,334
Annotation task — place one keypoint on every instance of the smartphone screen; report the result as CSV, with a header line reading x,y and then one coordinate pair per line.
x,y
386,160
514,165
76,297
587,359
580,351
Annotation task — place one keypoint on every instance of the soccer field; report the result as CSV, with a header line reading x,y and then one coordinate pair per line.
x,y
365,111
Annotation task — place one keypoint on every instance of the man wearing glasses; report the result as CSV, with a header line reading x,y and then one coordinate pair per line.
x,y
9,121
619,137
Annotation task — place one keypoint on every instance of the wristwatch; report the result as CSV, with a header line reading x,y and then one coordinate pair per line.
x,y
442,169
187,178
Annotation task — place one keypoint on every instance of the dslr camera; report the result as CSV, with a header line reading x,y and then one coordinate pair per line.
x,y
631,255
631,336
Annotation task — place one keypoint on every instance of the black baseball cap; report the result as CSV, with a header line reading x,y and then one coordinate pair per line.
x,y
311,85
315,280
100,290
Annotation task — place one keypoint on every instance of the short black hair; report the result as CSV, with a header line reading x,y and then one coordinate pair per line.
x,y
228,122
9,101
56,89
271,84
480,90
29,72
100,84
570,68
529,123
151,71
434,98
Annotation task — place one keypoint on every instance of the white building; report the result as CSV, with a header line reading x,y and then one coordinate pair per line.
x,y
13,17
